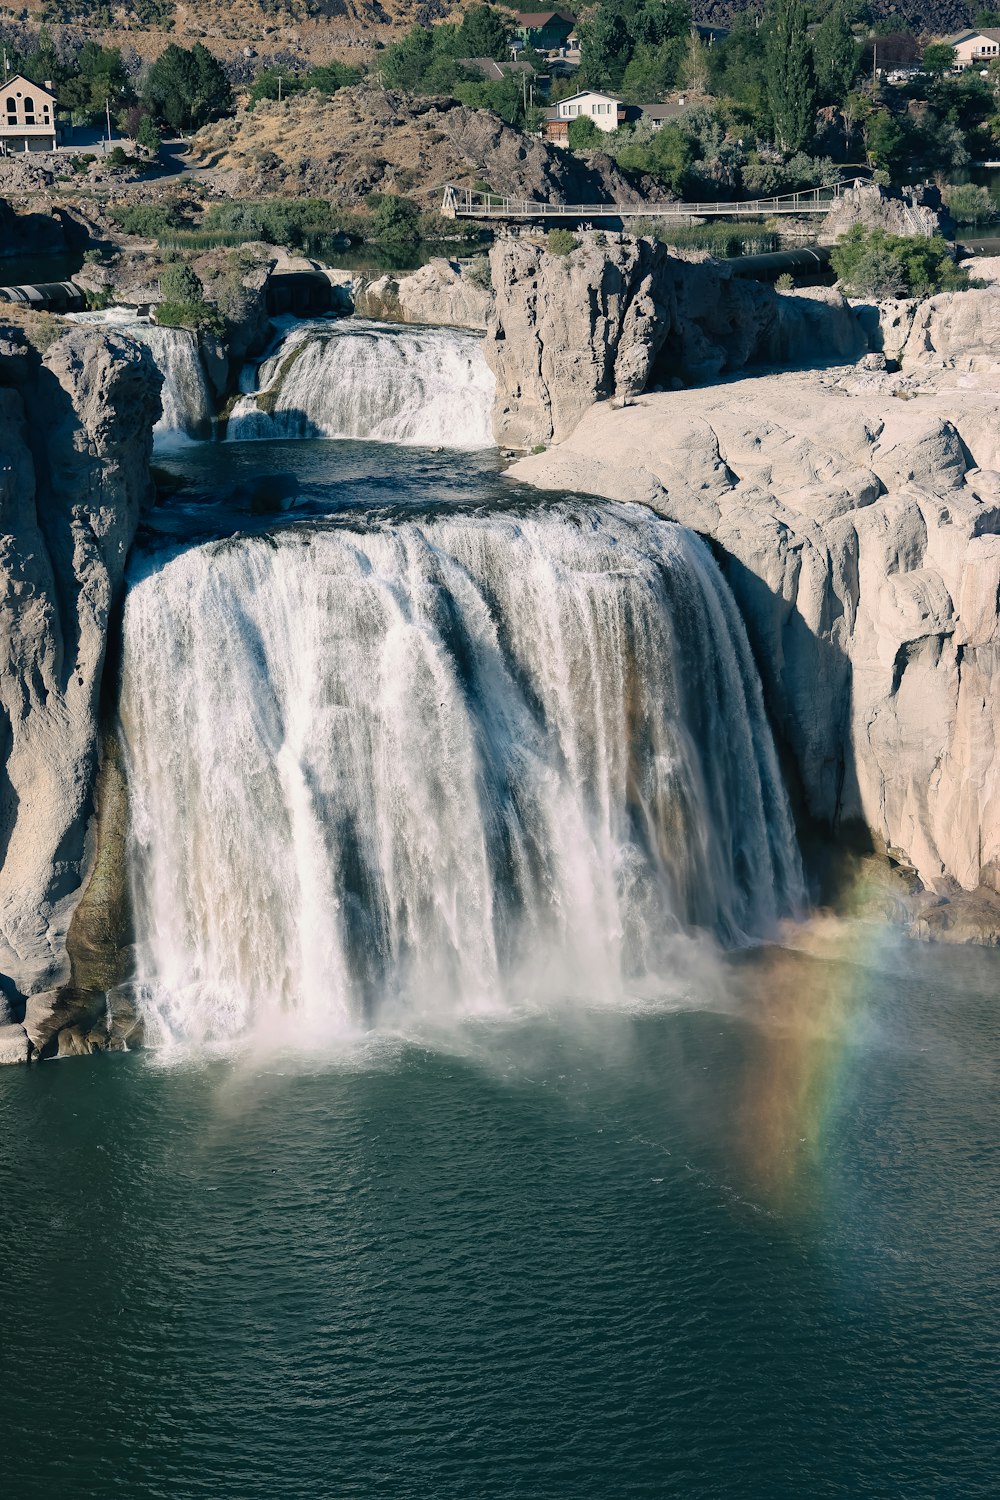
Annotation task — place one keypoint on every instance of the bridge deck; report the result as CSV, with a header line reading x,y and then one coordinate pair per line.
x,y
463,203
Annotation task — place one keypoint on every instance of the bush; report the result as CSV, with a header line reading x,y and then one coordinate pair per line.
x,y
198,314
560,242
583,134
179,284
145,219
872,263
969,204
478,273
394,219
784,283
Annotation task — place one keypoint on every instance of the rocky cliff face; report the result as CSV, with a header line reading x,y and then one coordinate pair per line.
x,y
858,523
75,436
619,315
906,211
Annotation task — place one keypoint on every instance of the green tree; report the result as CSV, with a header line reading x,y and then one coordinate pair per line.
x,y
694,68
404,64
394,219
836,55
653,71
791,88
938,59
186,89
148,137
583,134
483,34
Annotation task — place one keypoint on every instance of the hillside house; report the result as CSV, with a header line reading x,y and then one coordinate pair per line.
x,y
545,30
27,116
605,110
974,49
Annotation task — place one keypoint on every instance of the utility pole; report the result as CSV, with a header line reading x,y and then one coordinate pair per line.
x,y
279,88
107,112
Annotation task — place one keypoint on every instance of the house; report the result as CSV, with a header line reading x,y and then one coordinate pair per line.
x,y
545,30
605,110
27,116
495,72
974,49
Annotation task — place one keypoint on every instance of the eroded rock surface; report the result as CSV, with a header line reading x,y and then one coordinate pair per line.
x,y
863,547
619,314
75,443
442,292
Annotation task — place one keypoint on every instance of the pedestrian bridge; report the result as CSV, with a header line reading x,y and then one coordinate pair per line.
x,y
464,203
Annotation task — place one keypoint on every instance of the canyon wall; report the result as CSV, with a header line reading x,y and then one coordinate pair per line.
x,y
75,443
857,517
619,314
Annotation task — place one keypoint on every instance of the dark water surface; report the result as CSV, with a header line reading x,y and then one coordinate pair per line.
x,y
742,1244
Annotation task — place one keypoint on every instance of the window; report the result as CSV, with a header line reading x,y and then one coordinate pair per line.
x,y
11,112
29,110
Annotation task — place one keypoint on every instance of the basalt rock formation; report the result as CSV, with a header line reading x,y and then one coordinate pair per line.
x,y
618,315
75,438
857,519
442,292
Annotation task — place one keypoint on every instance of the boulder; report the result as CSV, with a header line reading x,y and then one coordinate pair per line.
x,y
442,292
905,211
14,1046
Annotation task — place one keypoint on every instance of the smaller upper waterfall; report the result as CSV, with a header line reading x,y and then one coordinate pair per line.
x,y
349,378
187,402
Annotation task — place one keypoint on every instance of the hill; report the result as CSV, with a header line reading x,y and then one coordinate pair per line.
x,y
368,139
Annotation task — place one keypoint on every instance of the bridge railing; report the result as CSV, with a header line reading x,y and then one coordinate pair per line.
x,y
466,203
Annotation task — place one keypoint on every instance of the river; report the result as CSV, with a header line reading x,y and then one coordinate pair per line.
x,y
509,1129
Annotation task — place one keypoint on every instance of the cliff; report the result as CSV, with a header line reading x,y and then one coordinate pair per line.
x,y
619,315
860,533
75,435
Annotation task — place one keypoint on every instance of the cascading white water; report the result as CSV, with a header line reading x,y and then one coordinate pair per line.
x,y
351,379
187,403
440,766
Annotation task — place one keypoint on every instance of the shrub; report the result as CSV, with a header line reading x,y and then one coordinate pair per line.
x,y
478,273
872,263
969,204
145,219
393,218
784,283
583,134
560,242
198,314
179,284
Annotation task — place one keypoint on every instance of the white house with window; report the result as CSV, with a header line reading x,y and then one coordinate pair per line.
x,y
604,110
974,49
27,116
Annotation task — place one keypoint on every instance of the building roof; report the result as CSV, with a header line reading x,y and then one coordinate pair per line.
x,y
26,83
590,94
495,71
992,34
662,111
534,20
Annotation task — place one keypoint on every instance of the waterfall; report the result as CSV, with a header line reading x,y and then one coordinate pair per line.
x,y
440,766
187,403
351,379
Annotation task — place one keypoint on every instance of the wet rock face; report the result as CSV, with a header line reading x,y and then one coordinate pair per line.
x,y
619,314
75,435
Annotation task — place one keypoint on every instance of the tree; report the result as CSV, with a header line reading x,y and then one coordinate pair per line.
x,y
694,68
393,218
836,55
148,137
652,71
791,89
938,59
186,89
404,63
483,34
583,134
